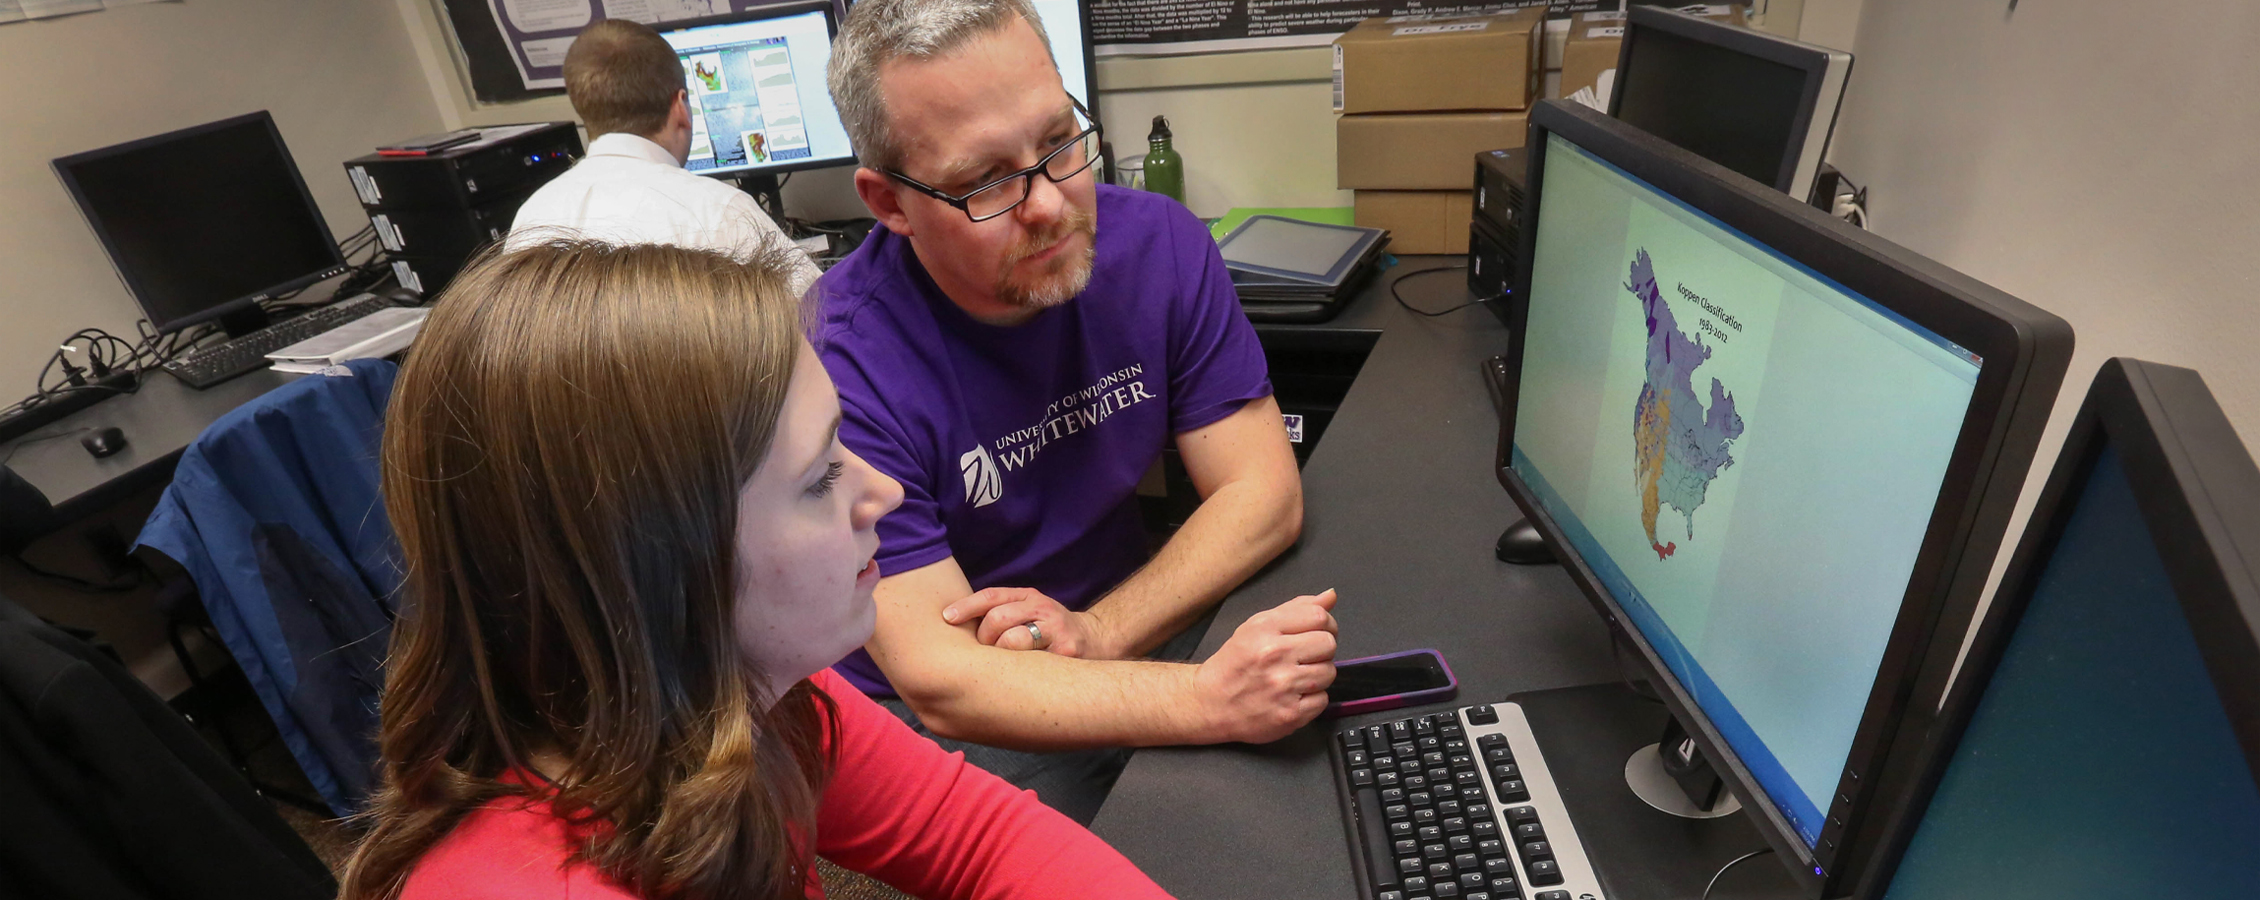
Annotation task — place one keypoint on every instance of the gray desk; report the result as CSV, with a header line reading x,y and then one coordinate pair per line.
x,y
159,421
1401,511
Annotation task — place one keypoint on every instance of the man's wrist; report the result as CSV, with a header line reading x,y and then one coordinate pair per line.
x,y
1100,639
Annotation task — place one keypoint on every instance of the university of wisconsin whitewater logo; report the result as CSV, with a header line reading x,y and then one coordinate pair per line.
x,y
983,483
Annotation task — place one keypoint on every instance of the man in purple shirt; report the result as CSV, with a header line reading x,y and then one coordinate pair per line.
x,y
1016,344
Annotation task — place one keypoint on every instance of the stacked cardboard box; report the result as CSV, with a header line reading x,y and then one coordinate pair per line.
x,y
1419,97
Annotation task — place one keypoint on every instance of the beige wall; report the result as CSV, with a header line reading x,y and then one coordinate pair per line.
x,y
339,77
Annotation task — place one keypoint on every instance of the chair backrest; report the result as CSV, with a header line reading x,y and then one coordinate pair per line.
x,y
275,513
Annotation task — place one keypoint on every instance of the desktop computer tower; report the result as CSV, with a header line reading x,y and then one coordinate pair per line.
x,y
1495,232
510,159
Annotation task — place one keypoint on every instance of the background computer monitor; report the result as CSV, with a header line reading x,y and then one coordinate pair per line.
x,y
1756,103
204,222
1776,452
755,84
2103,737
1068,26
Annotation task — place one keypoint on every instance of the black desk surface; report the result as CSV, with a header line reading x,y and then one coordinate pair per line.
x,y
159,421
1401,512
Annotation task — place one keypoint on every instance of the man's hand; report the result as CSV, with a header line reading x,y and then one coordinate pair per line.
x,y
1003,614
1271,677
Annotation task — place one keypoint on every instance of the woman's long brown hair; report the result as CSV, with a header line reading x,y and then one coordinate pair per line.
x,y
562,460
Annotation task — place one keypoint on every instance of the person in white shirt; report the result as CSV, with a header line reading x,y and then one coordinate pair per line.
x,y
628,87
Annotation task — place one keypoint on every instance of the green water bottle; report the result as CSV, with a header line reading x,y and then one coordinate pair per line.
x,y
1165,170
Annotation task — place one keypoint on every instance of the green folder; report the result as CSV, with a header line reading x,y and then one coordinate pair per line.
x,y
1324,215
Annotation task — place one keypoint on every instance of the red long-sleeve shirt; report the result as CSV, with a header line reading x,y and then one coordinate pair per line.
x,y
897,808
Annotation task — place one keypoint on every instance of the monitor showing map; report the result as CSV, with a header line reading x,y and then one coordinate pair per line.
x,y
755,86
1745,453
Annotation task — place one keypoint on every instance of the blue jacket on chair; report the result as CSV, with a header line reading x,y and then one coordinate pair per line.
x,y
275,513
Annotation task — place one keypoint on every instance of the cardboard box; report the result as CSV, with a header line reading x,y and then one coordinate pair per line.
x,y
1424,63
1418,151
1419,221
1589,55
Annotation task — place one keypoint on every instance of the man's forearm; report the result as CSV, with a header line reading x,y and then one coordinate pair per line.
x,y
1043,702
1234,533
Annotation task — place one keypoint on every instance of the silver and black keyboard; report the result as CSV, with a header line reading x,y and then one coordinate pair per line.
x,y
1457,805
211,365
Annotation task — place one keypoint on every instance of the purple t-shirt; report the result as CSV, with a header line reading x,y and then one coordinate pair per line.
x,y
1020,448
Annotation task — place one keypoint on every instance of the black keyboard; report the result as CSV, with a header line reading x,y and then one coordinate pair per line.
x,y
217,363
1457,806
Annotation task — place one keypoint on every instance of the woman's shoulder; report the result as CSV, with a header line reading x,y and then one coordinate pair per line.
x,y
510,849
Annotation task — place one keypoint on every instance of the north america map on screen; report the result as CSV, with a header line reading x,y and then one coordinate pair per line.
x,y
1678,445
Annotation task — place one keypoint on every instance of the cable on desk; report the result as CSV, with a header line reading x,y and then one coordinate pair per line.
x,y
1400,298
1715,876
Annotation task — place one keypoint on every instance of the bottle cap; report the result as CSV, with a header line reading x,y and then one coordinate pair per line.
x,y
1161,129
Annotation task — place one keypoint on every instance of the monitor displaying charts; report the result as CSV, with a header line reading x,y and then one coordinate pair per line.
x,y
755,85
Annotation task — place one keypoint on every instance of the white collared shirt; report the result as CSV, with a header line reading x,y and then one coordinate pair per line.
x,y
630,190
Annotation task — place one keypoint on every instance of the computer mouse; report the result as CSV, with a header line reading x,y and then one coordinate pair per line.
x,y
103,442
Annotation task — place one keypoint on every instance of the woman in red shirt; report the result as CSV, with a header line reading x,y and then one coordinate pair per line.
x,y
633,544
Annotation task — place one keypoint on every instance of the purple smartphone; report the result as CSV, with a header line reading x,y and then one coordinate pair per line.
x,y
1389,681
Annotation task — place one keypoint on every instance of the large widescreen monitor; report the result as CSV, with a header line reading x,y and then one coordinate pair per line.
x,y
756,89
205,222
1756,103
1775,451
2103,736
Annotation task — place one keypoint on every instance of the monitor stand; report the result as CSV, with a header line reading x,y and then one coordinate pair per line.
x,y
1640,854
1646,775
1523,545
768,193
244,321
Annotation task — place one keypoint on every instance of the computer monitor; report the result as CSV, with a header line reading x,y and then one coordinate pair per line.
x,y
204,223
2103,737
1067,24
755,84
1775,451
1756,103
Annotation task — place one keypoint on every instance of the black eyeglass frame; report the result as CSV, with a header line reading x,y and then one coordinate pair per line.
x,y
1030,173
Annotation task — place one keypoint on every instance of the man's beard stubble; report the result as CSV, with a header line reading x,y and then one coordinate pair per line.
x,y
1065,277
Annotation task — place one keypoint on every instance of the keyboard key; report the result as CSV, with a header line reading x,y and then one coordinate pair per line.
x,y
1448,808
1425,724
1444,790
1460,762
1416,885
1400,829
1420,800
1460,843
1376,737
1410,865
1513,792
1430,834
1406,847
1506,772
1440,775
1404,749
1438,872
1467,779
1361,777
1482,715
1497,754
1537,850
1491,848
1378,862
1455,745
1394,811
1433,852
1478,811
1545,872
1428,817
1499,865
1482,828
1529,831
1522,814
1393,795
1449,730
1390,895
1387,779
1487,741
1400,730
1455,825
1465,862
1352,739
1355,759
1447,891
1505,886
1553,895
1414,782
1476,895
1470,881
1408,766
1432,758
1428,744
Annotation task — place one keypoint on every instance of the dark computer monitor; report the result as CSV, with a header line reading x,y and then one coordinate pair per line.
x,y
1756,103
204,223
2103,736
1777,452
755,83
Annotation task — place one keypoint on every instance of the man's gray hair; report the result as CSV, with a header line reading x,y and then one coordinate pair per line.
x,y
878,32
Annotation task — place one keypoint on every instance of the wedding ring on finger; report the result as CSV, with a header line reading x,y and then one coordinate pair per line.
x,y
1035,635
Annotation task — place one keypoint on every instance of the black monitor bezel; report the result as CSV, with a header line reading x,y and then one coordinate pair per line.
x,y
1813,61
136,284
2026,351
778,11
2197,488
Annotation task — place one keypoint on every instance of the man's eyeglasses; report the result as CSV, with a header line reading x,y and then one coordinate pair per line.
x,y
1000,196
